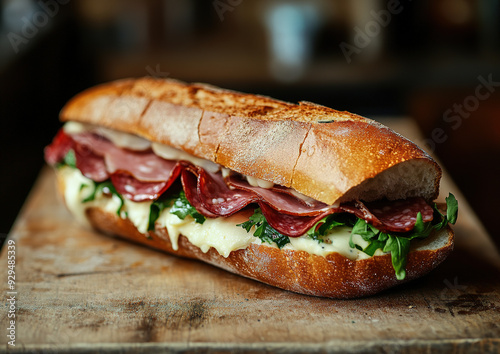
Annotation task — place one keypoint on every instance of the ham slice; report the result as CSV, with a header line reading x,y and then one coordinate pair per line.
x,y
142,175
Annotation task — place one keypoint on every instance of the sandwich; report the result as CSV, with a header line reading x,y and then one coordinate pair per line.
x,y
297,196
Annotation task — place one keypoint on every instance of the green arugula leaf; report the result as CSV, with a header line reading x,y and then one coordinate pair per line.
x,y
399,244
451,209
182,208
156,208
322,227
105,187
263,230
373,246
399,248
365,230
421,229
68,160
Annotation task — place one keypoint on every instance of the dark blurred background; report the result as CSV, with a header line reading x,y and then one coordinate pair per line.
x,y
437,61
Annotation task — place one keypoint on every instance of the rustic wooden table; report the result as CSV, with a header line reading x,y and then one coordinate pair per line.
x,y
78,291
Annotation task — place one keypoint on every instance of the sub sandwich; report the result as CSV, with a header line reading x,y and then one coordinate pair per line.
x,y
298,196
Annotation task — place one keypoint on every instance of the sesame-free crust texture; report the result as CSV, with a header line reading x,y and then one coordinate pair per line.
x,y
333,276
325,154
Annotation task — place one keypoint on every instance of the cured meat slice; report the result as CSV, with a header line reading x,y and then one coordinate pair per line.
x,y
95,143
142,175
290,225
139,191
189,184
400,215
218,198
90,164
59,147
280,200
143,165
391,216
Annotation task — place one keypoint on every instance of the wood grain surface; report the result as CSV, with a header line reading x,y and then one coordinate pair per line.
x,y
82,292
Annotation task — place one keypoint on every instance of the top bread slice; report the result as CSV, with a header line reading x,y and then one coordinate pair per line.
x,y
328,155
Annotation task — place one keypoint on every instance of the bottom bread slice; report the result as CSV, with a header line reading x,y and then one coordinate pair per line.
x,y
332,276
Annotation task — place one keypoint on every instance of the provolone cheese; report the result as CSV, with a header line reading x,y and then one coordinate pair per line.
x,y
121,139
170,153
220,233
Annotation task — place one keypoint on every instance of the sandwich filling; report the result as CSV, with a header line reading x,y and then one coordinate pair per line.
x,y
166,181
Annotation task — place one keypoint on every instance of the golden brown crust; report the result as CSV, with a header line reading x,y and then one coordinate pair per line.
x,y
320,152
333,276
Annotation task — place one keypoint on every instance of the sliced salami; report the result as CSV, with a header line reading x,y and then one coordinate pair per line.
x,y
400,215
290,225
218,198
143,165
98,144
279,199
90,164
142,175
59,147
189,181
139,191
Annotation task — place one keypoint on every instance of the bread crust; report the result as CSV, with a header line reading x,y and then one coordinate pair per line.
x,y
333,276
316,150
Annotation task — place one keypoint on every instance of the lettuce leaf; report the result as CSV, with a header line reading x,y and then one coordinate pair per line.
x,y
182,208
68,160
263,230
179,205
105,187
155,210
323,227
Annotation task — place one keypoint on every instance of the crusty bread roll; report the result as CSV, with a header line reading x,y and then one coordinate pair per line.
x,y
328,155
333,276
325,154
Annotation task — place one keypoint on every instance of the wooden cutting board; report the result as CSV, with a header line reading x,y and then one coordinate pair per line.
x,y
79,291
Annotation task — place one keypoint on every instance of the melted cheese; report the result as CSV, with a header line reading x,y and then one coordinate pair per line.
x,y
121,139
257,182
170,153
77,187
220,233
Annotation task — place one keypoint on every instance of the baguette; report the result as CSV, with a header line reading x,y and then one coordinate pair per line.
x,y
344,155
325,155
